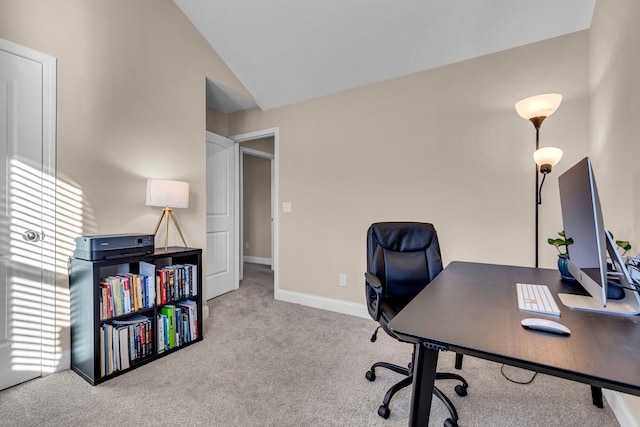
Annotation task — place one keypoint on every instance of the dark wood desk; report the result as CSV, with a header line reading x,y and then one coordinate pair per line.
x,y
472,309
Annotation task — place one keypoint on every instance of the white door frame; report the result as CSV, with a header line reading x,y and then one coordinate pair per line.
x,y
265,133
265,155
53,359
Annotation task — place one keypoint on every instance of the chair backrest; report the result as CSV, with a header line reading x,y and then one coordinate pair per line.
x,y
405,256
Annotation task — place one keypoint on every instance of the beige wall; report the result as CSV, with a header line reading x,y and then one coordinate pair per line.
x,y
444,146
217,122
615,107
256,207
257,199
131,105
265,145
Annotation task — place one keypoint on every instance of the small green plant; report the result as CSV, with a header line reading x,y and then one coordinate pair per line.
x,y
561,243
621,244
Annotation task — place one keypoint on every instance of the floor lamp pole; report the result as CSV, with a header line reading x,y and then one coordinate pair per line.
x,y
536,109
537,200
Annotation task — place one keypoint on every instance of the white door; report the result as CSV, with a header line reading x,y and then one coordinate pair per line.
x,y
25,211
221,253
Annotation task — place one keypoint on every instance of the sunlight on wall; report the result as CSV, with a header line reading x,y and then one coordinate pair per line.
x,y
38,309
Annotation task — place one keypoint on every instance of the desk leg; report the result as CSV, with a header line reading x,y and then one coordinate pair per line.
x,y
596,396
425,362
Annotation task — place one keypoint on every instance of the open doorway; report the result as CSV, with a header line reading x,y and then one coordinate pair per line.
x,y
257,199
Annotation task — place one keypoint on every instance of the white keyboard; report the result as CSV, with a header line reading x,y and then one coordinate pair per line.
x,y
536,298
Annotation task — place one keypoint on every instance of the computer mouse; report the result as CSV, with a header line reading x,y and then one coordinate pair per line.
x,y
545,325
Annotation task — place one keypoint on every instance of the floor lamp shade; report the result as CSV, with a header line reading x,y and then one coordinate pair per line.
x,y
546,158
537,108
162,192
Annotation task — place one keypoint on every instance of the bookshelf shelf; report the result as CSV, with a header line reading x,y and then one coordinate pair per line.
x,y
132,318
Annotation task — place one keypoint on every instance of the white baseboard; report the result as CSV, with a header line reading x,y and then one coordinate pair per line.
x,y
257,260
338,306
63,363
205,310
625,407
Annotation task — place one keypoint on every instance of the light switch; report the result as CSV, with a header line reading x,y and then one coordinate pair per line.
x,y
286,207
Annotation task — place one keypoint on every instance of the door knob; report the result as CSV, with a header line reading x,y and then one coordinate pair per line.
x,y
32,236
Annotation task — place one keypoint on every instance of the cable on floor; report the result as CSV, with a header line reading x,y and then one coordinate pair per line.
x,y
517,382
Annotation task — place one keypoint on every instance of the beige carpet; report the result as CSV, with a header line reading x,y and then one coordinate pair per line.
x,y
269,363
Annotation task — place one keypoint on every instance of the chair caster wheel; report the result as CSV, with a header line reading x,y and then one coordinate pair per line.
x,y
461,390
371,376
384,412
450,423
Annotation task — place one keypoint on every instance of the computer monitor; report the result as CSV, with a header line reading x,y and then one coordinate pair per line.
x,y
583,222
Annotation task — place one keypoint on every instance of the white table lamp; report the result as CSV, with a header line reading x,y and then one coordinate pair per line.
x,y
168,195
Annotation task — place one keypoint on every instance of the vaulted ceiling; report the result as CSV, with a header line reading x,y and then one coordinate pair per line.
x,y
286,51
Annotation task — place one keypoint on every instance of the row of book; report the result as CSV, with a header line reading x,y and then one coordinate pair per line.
x,y
125,293
174,282
177,325
122,342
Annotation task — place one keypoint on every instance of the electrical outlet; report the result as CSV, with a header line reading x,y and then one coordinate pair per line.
x,y
343,279
246,245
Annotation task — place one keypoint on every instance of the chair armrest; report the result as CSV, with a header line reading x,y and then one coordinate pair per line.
x,y
373,280
373,298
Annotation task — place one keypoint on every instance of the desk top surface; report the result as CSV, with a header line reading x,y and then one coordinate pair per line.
x,y
472,309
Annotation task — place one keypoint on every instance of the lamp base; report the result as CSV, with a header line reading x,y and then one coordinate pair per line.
x,y
166,213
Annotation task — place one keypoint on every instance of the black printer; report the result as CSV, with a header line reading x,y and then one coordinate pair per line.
x,y
96,248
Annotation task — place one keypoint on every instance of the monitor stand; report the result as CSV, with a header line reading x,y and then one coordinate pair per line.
x,y
629,305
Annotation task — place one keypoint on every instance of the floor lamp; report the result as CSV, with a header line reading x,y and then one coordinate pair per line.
x,y
168,195
536,109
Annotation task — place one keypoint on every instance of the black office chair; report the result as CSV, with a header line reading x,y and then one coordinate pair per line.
x,y
402,259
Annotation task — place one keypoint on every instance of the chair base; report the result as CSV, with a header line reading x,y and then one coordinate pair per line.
x,y
384,411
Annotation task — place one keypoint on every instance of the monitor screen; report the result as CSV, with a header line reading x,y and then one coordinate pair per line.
x,y
582,221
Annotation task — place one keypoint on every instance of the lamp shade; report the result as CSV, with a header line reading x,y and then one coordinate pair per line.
x,y
162,192
539,105
547,157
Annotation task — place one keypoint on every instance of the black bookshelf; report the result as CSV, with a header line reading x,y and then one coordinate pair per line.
x,y
86,317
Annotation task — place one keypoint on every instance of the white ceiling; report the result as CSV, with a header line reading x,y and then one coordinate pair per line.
x,y
286,51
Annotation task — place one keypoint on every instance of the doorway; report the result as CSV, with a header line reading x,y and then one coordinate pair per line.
x,y
256,202
263,145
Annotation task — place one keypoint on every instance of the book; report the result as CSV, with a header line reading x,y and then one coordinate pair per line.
x,y
127,297
169,312
162,285
135,287
115,286
148,271
109,345
150,291
160,332
102,349
191,309
123,336
193,278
